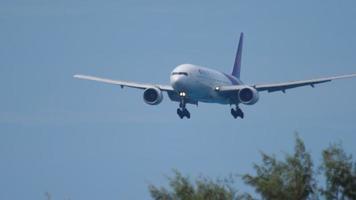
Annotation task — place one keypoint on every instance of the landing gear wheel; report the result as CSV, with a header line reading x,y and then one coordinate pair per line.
x,y
180,113
233,113
186,113
240,113
237,113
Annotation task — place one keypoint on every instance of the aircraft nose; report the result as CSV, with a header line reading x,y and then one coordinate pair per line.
x,y
176,82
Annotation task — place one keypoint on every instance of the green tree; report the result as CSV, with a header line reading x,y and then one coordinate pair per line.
x,y
201,189
291,178
340,174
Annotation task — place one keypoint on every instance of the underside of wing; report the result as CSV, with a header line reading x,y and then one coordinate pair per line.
x,y
293,84
125,83
229,88
283,86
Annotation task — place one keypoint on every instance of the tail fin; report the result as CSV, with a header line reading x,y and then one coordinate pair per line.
x,y
237,65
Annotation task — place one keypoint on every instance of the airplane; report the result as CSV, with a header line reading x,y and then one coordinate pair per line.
x,y
190,84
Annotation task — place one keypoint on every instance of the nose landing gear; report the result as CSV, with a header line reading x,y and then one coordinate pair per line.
x,y
182,110
237,112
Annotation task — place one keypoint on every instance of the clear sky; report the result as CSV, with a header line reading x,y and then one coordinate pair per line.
x,y
87,140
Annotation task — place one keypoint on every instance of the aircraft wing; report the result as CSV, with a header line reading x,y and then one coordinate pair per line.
x,y
124,83
287,85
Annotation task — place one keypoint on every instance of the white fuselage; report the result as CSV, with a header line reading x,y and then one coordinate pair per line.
x,y
200,83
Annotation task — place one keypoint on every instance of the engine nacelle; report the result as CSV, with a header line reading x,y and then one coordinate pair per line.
x,y
152,96
248,95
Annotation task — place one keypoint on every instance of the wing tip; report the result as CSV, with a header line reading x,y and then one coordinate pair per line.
x,y
78,76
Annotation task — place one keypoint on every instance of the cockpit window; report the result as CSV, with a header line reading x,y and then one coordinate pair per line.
x,y
180,73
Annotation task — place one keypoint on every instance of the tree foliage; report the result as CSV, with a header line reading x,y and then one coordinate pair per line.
x,y
202,189
340,174
292,178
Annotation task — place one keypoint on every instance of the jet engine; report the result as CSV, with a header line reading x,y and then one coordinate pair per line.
x,y
152,96
248,95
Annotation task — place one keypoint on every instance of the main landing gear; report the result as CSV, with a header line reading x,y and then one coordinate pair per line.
x,y
182,110
237,112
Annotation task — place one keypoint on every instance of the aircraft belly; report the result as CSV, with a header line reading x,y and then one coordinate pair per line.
x,y
203,92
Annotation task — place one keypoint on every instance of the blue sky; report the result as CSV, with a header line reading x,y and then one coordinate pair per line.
x,y
87,140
